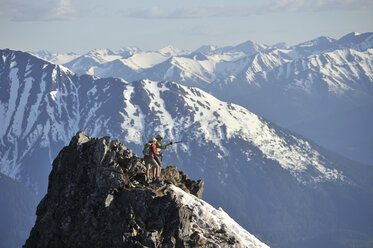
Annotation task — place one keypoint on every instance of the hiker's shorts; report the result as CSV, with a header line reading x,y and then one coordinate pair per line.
x,y
150,161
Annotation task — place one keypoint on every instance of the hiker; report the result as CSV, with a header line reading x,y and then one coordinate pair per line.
x,y
150,153
159,146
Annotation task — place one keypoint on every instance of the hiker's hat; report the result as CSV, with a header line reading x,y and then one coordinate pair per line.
x,y
152,140
159,136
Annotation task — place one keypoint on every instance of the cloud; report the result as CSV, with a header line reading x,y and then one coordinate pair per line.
x,y
246,10
187,12
320,5
33,10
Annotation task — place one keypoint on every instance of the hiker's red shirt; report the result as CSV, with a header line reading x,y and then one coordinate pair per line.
x,y
153,151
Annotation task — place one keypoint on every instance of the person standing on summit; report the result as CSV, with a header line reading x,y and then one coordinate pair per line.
x,y
159,146
150,153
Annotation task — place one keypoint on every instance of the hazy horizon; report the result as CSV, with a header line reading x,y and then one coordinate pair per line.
x,y
71,26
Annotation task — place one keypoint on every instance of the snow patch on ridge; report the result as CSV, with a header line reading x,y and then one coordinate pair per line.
x,y
208,219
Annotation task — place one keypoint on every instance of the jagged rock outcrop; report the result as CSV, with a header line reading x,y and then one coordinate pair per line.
x,y
97,197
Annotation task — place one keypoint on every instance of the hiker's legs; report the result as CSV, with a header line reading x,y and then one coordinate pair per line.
x,y
158,167
147,172
158,161
150,169
159,172
154,171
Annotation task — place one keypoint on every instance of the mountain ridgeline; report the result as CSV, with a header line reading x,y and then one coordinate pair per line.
x,y
98,197
299,87
278,185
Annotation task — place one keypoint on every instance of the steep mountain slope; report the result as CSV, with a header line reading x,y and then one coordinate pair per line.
x,y
17,212
97,197
271,181
286,84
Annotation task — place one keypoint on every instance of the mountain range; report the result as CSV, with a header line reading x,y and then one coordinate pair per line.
x,y
278,185
305,87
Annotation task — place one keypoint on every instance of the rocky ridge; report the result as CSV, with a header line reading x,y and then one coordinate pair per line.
x,y
98,197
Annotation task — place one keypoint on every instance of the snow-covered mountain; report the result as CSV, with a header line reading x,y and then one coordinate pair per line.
x,y
296,86
56,58
276,184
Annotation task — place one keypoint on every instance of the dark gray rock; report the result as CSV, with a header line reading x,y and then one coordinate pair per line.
x,y
97,197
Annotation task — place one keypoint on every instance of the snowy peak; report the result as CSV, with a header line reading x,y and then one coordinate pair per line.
x,y
196,56
320,41
281,45
171,51
102,55
55,58
100,52
206,49
356,41
249,48
128,52
353,36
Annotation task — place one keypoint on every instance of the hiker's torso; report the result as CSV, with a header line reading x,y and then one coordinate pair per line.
x,y
149,150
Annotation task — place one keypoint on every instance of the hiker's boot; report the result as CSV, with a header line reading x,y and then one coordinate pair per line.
x,y
158,182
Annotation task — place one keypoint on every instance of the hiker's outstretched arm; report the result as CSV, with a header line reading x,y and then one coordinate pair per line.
x,y
164,147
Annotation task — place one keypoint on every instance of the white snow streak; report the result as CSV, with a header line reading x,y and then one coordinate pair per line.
x,y
208,219
133,118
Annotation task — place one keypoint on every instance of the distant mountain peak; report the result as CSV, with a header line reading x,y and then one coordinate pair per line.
x,y
55,58
249,47
322,40
171,51
350,35
99,51
206,49
354,38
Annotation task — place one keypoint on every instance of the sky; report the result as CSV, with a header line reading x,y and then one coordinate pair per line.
x,y
80,26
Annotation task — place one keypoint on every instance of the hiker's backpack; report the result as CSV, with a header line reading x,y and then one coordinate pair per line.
x,y
146,150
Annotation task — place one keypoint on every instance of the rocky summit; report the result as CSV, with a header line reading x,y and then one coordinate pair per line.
x,y
98,197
